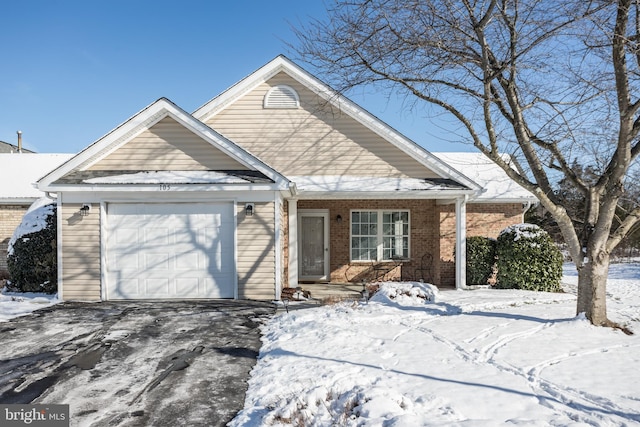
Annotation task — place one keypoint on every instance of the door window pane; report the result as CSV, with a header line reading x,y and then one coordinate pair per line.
x,y
312,246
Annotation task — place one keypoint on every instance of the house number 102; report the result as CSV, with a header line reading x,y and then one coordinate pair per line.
x,y
165,187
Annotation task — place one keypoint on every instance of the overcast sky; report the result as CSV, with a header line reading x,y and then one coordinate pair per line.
x,y
71,70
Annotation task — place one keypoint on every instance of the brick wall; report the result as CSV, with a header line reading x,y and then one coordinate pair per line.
x,y
432,236
486,220
424,238
10,218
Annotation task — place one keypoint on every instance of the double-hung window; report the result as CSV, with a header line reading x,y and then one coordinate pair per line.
x,y
379,235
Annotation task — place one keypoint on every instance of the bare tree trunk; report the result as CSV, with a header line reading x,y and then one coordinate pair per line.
x,y
592,284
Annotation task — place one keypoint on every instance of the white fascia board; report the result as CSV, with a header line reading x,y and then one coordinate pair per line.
x,y
530,199
19,201
156,188
168,197
342,103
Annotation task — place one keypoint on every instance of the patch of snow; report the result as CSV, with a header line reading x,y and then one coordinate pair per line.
x,y
524,231
169,177
35,219
15,304
467,358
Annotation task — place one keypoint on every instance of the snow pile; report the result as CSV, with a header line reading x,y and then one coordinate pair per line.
x,y
524,231
405,293
35,219
14,304
470,358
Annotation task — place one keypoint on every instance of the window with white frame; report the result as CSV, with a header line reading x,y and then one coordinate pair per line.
x,y
379,235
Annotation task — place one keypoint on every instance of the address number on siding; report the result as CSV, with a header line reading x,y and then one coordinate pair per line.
x,y
165,187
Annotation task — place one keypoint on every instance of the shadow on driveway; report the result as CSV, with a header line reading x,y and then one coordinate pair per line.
x,y
134,363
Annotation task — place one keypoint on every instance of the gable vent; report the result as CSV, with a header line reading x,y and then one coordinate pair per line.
x,y
281,96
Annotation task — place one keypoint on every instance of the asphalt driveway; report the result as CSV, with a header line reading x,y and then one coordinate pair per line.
x,y
134,363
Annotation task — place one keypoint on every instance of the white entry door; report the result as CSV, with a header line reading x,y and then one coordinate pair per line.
x,y
170,251
313,234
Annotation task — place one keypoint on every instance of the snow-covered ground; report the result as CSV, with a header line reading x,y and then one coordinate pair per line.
x,y
14,304
468,358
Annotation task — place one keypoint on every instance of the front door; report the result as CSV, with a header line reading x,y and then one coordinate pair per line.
x,y
314,245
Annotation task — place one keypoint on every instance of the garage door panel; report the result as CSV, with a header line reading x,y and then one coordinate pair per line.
x,y
125,261
170,251
126,236
157,261
156,236
188,261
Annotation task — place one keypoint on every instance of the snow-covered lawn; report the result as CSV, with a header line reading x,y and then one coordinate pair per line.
x,y
14,304
469,358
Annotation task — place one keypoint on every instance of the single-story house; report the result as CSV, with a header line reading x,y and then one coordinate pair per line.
x,y
18,175
277,181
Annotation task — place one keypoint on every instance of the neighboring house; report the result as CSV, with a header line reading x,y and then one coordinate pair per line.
x,y
278,180
5,147
18,175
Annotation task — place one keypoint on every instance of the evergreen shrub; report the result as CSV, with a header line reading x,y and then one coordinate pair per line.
x,y
528,259
32,258
481,257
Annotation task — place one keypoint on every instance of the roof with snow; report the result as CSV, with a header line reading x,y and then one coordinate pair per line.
x,y
165,177
331,184
497,184
19,171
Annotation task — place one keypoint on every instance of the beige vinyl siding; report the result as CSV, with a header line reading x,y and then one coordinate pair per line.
x,y
167,145
315,139
256,252
80,253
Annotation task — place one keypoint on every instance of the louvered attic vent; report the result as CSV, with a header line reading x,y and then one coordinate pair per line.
x,y
281,96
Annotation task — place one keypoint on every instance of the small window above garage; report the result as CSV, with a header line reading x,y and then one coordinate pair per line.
x,y
281,96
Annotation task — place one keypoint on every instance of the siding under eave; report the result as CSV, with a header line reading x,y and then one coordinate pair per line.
x,y
167,145
315,139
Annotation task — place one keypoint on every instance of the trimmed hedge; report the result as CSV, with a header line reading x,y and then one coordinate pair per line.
x,y
528,259
481,256
32,262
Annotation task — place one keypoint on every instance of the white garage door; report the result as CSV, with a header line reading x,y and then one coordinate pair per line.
x,y
169,251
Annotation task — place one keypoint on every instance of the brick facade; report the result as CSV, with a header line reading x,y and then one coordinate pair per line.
x,y
423,240
432,237
10,218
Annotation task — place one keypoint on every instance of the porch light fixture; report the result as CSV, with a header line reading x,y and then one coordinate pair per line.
x,y
248,209
339,219
85,209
